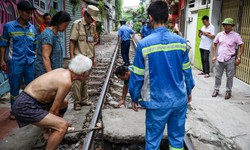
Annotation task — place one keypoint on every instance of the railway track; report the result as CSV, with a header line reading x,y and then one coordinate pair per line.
x,y
104,90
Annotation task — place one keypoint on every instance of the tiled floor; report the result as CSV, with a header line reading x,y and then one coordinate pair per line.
x,y
6,125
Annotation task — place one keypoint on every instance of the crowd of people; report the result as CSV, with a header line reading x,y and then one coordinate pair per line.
x,y
230,48
160,78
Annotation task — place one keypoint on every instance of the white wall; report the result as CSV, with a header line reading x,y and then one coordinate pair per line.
x,y
215,14
215,19
191,32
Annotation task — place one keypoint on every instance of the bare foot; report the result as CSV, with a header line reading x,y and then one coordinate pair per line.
x,y
121,102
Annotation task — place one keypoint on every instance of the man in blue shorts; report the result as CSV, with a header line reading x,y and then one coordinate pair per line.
x,y
43,103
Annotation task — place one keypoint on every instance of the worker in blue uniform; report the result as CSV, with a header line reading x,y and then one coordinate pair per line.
x,y
20,38
124,38
146,29
161,81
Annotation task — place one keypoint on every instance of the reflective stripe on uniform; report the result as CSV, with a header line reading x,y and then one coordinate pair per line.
x,y
137,70
21,33
5,40
186,66
30,34
163,48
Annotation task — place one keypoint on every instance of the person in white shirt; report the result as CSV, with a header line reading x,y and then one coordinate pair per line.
x,y
206,33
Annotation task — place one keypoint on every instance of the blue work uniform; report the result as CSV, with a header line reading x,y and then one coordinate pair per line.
x,y
161,80
21,44
146,30
125,34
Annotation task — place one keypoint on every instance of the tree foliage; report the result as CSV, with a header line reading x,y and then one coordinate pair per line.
x,y
137,27
118,12
137,14
101,7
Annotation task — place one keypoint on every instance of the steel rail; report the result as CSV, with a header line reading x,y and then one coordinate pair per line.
x,y
188,143
89,136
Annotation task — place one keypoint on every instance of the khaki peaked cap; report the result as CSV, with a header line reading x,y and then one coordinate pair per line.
x,y
93,11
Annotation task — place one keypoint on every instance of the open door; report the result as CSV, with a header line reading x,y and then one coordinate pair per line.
x,y
197,55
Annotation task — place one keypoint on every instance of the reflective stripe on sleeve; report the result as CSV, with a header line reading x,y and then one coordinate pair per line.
x,y
186,66
137,70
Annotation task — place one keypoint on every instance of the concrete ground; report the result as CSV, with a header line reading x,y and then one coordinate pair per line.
x,y
212,123
30,136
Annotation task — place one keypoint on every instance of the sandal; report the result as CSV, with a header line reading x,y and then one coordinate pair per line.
x,y
85,104
77,107
201,73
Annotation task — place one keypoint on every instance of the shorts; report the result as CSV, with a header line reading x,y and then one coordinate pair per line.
x,y
28,110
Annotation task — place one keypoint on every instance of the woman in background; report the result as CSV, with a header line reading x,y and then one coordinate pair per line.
x,y
50,51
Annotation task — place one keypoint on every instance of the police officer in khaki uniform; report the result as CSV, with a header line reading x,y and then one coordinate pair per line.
x,y
82,41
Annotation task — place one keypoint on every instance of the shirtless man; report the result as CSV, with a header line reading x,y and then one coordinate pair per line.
x,y
43,100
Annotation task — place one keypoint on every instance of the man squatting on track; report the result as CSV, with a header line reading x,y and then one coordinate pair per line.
x,y
43,103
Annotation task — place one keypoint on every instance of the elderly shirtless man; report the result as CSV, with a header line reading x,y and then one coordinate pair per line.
x,y
42,102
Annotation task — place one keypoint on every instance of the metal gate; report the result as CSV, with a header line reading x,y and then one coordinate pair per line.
x,y
241,16
243,70
230,8
74,16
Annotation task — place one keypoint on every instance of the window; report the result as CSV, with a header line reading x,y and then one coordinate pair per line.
x,y
191,3
55,5
36,2
42,5
10,12
203,2
2,13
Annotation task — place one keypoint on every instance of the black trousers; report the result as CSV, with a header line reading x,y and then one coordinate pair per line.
x,y
125,45
205,60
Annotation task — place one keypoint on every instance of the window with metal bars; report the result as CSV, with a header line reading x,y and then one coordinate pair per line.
x,y
191,3
203,2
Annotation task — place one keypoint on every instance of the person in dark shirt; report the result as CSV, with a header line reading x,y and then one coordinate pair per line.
x,y
123,73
